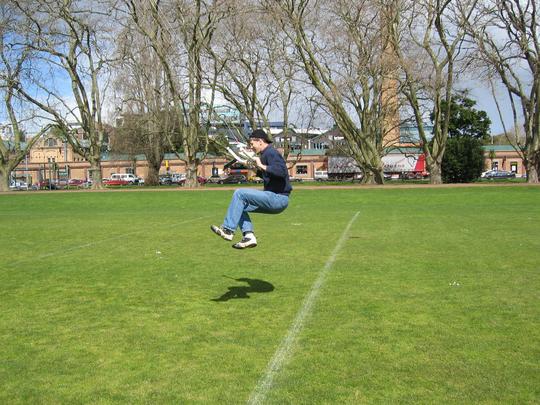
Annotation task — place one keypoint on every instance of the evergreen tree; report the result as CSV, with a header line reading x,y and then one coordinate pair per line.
x,y
463,159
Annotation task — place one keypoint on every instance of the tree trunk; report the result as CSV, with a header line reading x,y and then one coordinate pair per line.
x,y
373,177
4,179
152,178
378,177
95,175
134,165
191,175
369,178
532,174
435,175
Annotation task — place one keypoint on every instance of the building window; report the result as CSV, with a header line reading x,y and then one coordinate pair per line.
x,y
495,165
129,170
513,167
50,142
301,169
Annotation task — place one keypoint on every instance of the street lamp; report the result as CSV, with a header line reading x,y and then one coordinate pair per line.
x,y
50,173
52,166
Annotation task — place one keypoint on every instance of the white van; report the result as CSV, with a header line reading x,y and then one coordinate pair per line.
x,y
131,178
321,175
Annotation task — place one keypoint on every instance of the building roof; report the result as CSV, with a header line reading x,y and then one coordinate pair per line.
x,y
403,150
499,148
305,152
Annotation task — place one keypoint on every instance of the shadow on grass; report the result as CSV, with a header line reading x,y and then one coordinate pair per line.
x,y
254,286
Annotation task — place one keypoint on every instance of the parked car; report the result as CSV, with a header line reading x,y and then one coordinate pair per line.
x,y
18,185
321,175
165,180
214,179
499,174
234,179
256,179
61,183
76,182
116,182
200,180
412,175
45,185
118,179
177,178
129,177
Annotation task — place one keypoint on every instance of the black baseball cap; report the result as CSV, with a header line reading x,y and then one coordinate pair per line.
x,y
260,134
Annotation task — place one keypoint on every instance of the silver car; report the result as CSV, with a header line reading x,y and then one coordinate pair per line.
x,y
499,174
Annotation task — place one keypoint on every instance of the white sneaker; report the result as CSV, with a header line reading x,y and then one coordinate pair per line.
x,y
248,241
223,232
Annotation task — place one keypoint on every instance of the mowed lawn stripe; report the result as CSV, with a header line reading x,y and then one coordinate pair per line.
x,y
286,347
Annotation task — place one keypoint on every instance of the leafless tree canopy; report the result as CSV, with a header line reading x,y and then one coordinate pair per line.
x,y
16,59
147,123
507,37
428,39
71,45
368,64
340,48
179,33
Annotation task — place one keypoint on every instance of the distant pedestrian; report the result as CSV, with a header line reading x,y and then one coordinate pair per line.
x,y
272,200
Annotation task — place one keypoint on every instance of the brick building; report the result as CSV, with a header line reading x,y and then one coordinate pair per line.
x,y
52,158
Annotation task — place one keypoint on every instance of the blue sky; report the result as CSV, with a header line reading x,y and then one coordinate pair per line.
x,y
478,91
484,101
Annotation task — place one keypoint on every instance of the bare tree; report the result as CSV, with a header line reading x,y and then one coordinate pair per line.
x,y
507,34
15,57
259,75
340,46
148,124
72,41
428,40
185,28
242,64
286,77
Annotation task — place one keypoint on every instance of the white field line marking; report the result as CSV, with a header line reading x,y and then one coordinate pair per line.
x,y
285,349
96,242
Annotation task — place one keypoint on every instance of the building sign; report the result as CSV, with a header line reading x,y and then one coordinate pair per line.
x,y
392,163
400,162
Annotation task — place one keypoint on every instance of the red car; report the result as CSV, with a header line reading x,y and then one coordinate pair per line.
x,y
76,182
116,182
45,185
200,180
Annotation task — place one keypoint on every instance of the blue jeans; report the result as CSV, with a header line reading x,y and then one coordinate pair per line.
x,y
249,200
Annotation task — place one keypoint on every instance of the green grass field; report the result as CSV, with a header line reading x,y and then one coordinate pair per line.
x,y
114,297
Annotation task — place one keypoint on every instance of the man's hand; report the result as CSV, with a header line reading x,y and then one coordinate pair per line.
x,y
259,164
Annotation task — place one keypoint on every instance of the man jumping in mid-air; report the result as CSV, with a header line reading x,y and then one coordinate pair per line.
x,y
273,200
